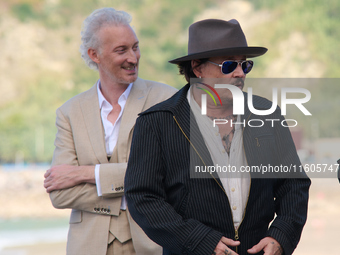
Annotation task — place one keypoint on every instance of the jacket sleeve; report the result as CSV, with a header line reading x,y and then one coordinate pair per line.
x,y
291,195
83,196
146,194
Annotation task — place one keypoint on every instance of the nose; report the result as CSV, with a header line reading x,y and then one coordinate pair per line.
x,y
238,72
133,56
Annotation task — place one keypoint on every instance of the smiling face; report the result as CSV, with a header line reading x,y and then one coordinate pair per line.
x,y
118,54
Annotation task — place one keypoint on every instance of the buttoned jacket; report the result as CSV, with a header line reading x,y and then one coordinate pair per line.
x,y
80,140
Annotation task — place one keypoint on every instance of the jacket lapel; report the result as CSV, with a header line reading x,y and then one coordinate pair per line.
x,y
134,105
186,121
93,123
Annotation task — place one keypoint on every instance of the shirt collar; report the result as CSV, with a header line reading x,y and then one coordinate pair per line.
x,y
190,98
102,99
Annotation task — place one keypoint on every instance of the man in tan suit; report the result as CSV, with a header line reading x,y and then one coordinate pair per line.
x,y
93,141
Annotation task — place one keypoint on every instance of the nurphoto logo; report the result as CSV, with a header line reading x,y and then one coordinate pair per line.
x,y
238,103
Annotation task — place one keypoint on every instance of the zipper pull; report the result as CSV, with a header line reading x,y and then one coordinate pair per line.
x,y
257,141
236,239
236,235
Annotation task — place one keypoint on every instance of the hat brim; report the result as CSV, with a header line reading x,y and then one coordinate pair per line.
x,y
249,52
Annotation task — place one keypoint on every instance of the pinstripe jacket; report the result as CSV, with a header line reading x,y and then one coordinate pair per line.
x,y
190,215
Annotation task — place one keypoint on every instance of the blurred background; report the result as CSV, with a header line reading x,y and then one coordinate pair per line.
x,y
41,68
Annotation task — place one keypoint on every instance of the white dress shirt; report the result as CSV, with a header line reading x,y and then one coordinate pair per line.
x,y
111,130
236,185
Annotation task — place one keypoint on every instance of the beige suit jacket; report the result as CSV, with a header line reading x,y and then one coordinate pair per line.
x,y
95,220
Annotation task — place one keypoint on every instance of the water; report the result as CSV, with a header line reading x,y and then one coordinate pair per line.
x,y
29,231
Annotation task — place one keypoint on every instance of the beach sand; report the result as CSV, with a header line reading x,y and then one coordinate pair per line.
x,y
37,249
320,234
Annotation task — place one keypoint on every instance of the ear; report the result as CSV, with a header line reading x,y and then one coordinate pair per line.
x,y
93,54
196,67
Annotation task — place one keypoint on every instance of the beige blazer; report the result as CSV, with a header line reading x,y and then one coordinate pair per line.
x,y
95,220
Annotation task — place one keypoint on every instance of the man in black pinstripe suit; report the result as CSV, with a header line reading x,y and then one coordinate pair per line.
x,y
171,195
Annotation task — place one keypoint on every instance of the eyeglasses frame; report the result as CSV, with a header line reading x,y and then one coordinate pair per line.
x,y
238,63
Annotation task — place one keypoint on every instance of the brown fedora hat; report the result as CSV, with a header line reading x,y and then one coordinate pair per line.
x,y
213,37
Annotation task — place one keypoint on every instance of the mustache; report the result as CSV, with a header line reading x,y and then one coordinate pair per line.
x,y
238,81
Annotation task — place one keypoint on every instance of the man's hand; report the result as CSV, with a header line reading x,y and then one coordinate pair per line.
x,y
269,245
67,176
222,247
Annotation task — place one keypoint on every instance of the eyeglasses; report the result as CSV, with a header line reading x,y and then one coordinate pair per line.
x,y
229,66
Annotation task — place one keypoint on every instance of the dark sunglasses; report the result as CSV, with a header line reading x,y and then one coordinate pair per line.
x,y
229,66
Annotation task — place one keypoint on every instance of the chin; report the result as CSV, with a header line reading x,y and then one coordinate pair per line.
x,y
133,79
130,79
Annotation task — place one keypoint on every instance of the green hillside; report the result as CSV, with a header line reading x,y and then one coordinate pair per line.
x,y
41,65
